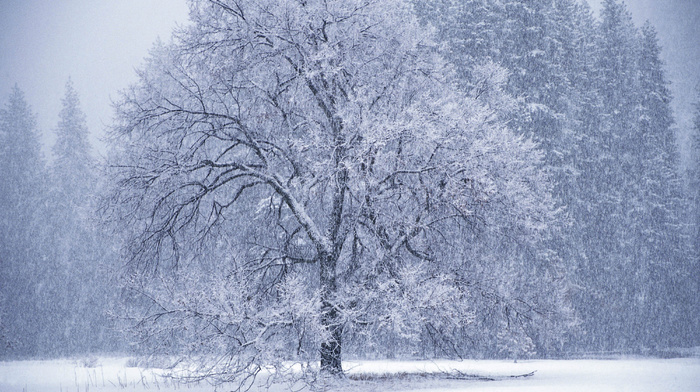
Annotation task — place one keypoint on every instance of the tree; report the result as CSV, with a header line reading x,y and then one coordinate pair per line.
x,y
21,198
662,244
594,95
293,172
70,189
694,199
72,161
49,243
75,316
546,48
695,175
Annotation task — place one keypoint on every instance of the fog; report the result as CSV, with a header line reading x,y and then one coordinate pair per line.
x,y
98,44
678,25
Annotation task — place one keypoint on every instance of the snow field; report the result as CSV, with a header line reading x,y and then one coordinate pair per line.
x,y
620,375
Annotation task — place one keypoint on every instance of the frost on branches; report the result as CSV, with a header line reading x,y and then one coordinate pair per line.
x,y
295,175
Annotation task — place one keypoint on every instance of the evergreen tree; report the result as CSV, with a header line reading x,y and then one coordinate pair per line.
x,y
594,95
693,197
22,257
604,298
78,323
540,44
73,166
694,189
661,245
635,246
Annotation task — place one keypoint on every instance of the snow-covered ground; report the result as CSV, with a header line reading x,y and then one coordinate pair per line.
x,y
638,375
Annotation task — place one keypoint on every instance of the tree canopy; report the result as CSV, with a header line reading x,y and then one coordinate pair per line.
x,y
319,161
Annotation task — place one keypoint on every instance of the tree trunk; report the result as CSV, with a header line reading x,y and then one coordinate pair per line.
x,y
331,359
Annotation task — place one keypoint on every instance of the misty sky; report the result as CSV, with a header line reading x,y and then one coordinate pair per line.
x,y
99,43
678,25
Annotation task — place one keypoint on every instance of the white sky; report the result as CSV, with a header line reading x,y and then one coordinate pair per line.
x,y
98,43
677,23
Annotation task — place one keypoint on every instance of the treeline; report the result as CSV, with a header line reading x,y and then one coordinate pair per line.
x,y
594,94
56,281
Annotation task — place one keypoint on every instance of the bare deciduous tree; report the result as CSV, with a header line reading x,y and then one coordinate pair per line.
x,y
303,168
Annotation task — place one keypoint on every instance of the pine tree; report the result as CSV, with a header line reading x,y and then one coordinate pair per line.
x,y
78,323
545,50
693,196
662,246
73,166
605,185
694,191
634,237
22,257
594,95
